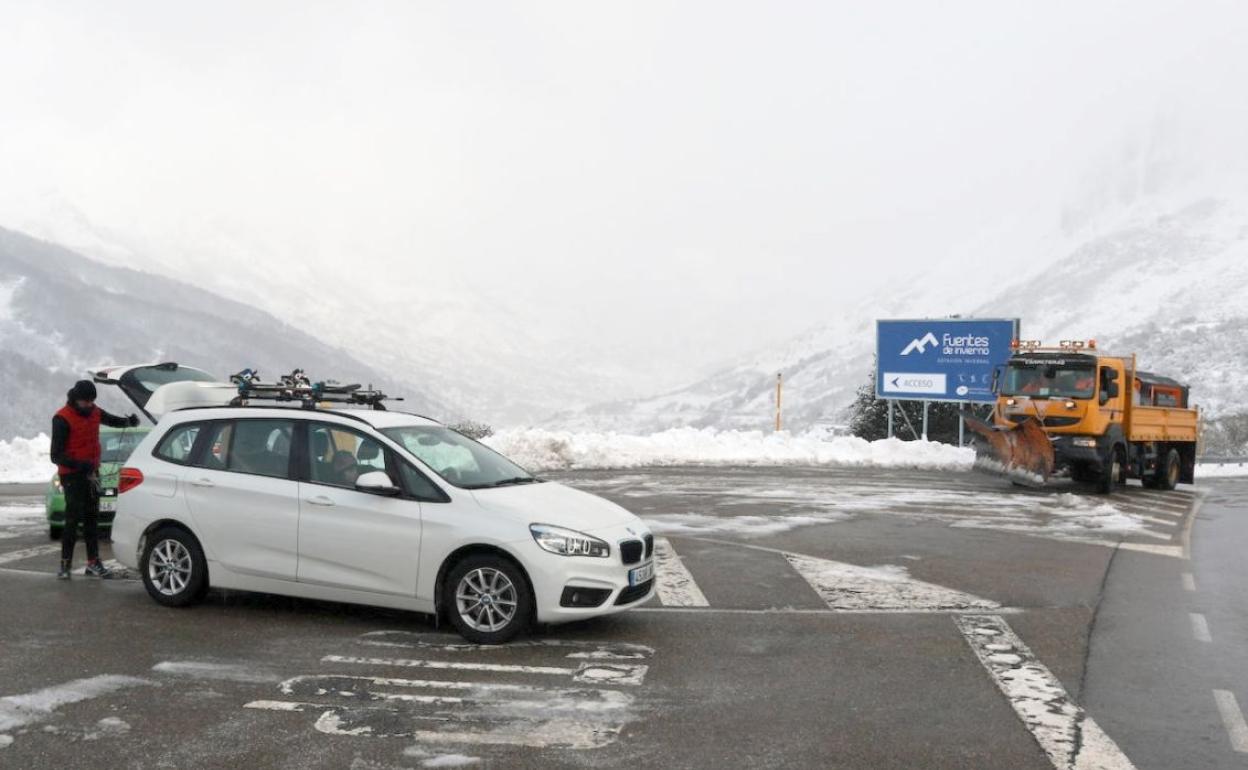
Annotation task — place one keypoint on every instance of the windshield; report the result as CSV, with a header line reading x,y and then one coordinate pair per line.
x,y
1049,379
457,458
116,447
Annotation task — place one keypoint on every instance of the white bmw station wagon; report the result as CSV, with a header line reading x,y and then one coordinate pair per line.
x,y
370,507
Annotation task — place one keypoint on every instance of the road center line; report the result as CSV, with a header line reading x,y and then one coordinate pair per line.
x,y
1233,719
1071,739
1200,627
676,586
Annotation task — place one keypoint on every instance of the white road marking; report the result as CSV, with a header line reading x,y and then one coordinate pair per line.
x,y
1071,739
20,710
851,587
827,611
595,673
28,553
1233,719
676,587
1159,521
1189,582
1200,628
1173,551
581,649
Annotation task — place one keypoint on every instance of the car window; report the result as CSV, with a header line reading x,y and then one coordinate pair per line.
x,y
217,446
457,458
338,456
116,446
177,444
261,447
418,485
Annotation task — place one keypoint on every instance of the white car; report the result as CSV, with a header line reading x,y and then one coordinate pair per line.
x,y
370,507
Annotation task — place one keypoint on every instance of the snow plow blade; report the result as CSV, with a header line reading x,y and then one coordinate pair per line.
x,y
1023,454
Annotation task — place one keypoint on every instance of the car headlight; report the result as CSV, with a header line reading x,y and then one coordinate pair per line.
x,y
568,542
1084,441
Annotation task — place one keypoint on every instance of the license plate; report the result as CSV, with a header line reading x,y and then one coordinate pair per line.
x,y
641,574
108,506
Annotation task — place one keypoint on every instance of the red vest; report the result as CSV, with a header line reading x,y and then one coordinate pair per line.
x,y
84,436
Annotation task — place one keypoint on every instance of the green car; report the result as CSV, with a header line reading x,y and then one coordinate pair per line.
x,y
116,444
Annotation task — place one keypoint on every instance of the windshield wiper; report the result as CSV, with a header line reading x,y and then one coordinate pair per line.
x,y
509,482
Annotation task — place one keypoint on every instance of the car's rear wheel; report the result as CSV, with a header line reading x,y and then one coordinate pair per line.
x,y
488,599
174,570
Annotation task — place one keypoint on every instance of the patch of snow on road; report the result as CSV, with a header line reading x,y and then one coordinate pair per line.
x,y
26,460
21,710
451,760
539,450
5,740
750,526
16,520
229,672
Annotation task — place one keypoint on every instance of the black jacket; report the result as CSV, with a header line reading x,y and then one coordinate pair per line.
x,y
60,436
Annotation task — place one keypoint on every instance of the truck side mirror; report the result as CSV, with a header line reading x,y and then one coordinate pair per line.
x,y
996,377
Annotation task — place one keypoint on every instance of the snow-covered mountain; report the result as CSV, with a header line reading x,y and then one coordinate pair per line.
x,y
61,312
1165,279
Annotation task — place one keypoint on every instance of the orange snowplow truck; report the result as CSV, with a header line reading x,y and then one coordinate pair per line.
x,y
1072,410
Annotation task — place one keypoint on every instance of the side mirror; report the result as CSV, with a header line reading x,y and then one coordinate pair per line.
x,y
1111,390
376,483
1104,397
996,377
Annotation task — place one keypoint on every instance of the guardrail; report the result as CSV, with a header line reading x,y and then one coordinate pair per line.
x,y
1223,460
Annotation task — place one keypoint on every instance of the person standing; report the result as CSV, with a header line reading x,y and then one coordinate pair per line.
x,y
76,452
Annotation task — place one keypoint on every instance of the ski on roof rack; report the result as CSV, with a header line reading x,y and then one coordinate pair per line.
x,y
298,387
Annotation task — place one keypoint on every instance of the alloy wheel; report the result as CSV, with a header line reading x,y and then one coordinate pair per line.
x,y
486,599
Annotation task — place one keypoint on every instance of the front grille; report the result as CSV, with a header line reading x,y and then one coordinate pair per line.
x,y
649,545
631,551
630,595
1060,422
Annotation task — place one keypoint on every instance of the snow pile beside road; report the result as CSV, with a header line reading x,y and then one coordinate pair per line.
x,y
539,450
25,460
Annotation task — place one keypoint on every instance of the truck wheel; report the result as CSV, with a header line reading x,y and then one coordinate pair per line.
x,y
1113,472
1167,477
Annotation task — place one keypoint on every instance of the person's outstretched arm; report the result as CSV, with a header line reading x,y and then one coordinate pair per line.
x,y
113,421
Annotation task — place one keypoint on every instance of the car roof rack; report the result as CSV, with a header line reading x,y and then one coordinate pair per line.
x,y
297,387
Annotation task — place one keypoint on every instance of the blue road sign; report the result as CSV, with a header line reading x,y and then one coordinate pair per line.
x,y
947,359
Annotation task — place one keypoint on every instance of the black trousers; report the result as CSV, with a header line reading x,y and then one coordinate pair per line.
x,y
81,505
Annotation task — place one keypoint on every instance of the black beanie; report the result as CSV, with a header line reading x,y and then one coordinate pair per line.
x,y
83,390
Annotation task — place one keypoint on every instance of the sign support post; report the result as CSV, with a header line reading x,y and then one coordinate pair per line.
x,y
889,401
925,419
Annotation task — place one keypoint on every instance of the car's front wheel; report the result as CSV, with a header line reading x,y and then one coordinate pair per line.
x,y
488,599
174,570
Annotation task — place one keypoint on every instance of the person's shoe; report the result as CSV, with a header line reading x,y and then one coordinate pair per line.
x,y
95,569
63,573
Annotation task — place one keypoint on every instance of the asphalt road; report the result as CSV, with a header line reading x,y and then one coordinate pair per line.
x,y
807,618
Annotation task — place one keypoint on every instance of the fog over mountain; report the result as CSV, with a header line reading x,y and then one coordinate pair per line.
x,y
61,313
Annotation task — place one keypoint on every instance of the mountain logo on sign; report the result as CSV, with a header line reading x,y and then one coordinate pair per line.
x,y
921,344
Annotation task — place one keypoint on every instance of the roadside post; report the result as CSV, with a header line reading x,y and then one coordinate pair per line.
x,y
925,403
889,401
779,394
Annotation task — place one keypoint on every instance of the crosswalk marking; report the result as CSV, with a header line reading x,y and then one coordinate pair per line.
x,y
676,586
588,712
851,587
1067,734
596,673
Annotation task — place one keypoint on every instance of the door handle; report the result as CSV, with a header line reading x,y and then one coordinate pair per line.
x,y
320,500
202,483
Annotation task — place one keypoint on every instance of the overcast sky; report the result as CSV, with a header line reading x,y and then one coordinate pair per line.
x,y
687,179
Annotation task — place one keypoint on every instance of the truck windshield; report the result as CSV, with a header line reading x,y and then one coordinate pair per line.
x,y
1049,380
